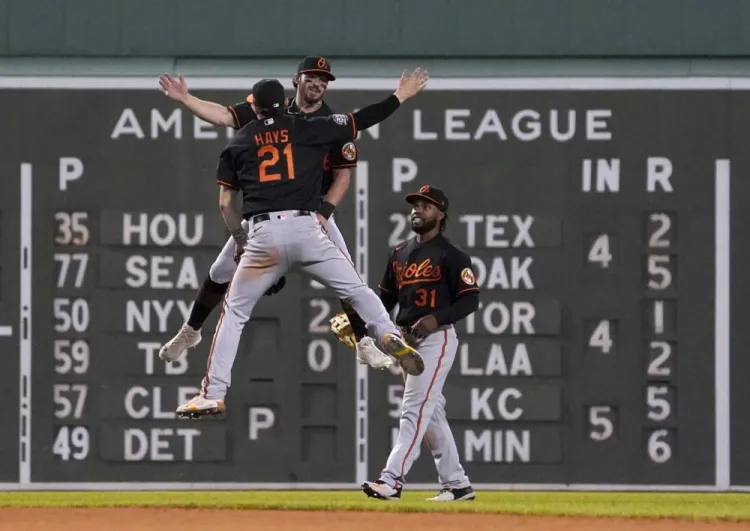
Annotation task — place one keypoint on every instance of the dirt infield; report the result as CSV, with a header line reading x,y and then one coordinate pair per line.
x,y
202,519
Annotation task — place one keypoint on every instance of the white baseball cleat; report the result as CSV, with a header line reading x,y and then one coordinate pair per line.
x,y
369,354
186,338
410,360
447,494
200,406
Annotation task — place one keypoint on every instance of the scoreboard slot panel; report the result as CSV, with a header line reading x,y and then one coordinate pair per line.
x,y
590,361
11,327
625,286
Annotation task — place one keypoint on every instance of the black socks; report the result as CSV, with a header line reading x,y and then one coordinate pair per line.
x,y
209,297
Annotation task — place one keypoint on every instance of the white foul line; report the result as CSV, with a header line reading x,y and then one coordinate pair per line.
x,y
722,367
360,384
24,384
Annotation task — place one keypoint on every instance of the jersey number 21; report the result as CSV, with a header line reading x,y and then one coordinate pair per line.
x,y
269,158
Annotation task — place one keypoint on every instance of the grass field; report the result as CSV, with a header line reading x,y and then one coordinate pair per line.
x,y
730,507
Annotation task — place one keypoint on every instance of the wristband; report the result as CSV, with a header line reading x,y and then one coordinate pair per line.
x,y
326,209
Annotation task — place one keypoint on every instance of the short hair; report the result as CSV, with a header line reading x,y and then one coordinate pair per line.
x,y
276,111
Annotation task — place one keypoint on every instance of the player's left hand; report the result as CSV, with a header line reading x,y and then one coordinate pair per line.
x,y
174,89
424,327
411,85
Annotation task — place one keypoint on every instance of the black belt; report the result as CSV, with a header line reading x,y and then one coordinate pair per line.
x,y
257,218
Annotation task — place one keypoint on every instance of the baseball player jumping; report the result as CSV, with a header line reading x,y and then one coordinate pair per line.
x,y
433,282
311,82
274,162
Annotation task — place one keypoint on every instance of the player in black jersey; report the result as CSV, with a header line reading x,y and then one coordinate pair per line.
x,y
434,285
274,163
311,82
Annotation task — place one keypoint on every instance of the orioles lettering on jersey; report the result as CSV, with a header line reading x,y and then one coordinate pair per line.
x,y
427,277
412,273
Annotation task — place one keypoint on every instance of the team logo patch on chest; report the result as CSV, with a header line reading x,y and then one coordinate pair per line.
x,y
349,151
340,119
467,275
413,273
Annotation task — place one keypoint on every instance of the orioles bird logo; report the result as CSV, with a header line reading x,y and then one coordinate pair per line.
x,y
349,151
424,189
467,275
321,63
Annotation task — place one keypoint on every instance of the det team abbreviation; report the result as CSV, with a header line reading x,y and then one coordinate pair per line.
x,y
109,318
196,243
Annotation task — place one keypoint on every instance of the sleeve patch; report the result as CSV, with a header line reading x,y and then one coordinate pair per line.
x,y
467,276
349,151
340,119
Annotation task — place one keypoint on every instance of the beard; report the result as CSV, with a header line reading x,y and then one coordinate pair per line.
x,y
421,225
313,95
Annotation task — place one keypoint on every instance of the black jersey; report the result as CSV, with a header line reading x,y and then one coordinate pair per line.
x,y
341,154
276,161
427,277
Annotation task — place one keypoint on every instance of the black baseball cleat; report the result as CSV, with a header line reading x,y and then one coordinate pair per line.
x,y
448,494
410,360
381,490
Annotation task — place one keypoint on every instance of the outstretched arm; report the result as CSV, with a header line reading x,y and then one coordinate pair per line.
x,y
409,86
329,129
177,90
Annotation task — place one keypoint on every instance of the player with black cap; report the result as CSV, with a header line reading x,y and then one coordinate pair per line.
x,y
274,162
434,285
311,82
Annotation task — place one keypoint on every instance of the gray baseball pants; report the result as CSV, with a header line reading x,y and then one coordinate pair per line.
x,y
283,243
423,416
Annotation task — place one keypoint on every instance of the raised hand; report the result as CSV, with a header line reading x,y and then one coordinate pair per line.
x,y
174,89
411,85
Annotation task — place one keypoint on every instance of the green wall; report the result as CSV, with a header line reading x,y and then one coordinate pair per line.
x,y
382,28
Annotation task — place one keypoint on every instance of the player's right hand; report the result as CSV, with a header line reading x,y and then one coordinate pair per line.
x,y
411,85
174,89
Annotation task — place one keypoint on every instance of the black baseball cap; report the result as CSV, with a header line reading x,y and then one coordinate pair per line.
x,y
316,64
431,194
269,94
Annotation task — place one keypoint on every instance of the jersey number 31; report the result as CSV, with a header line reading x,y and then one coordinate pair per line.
x,y
425,298
269,158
